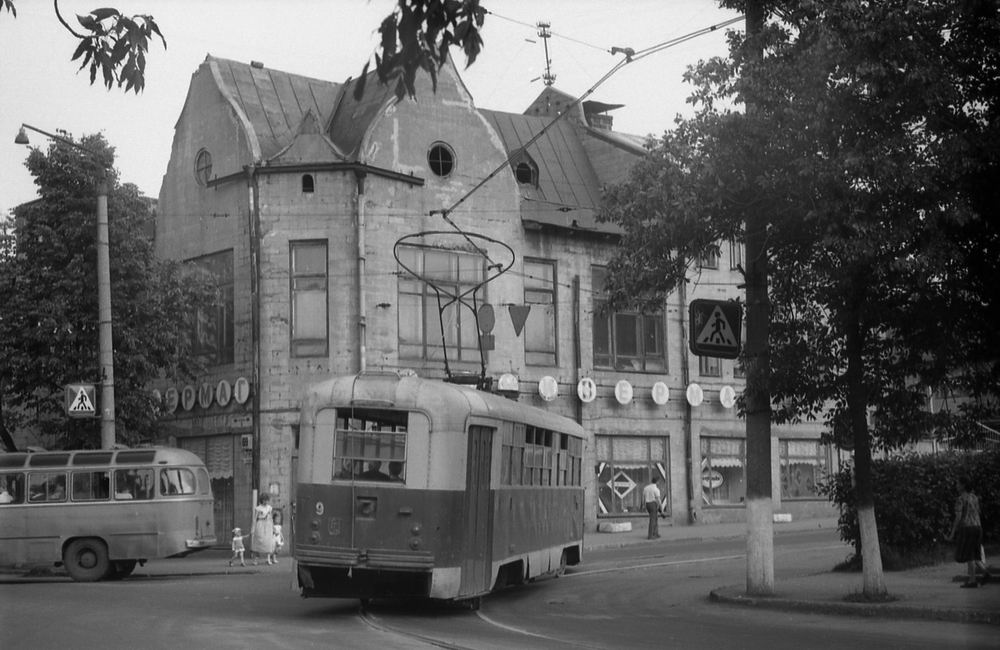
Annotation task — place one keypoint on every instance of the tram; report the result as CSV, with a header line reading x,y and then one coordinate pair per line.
x,y
416,488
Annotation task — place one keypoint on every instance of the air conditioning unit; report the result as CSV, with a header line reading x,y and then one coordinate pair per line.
x,y
246,442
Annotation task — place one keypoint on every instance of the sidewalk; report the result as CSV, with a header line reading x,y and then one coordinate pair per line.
x,y
926,593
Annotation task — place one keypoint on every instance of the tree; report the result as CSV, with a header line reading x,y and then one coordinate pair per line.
x,y
111,43
49,323
872,153
417,35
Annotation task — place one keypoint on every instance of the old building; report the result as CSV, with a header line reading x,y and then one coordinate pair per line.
x,y
328,222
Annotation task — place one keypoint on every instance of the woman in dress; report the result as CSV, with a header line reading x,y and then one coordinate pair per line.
x,y
967,531
262,537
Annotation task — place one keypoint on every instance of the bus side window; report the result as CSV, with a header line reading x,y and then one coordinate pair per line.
x,y
176,480
91,486
11,488
134,484
46,486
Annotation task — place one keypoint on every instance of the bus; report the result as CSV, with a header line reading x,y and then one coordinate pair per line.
x,y
415,488
99,513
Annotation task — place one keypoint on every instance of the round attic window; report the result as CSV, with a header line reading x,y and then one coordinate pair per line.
x,y
203,167
441,159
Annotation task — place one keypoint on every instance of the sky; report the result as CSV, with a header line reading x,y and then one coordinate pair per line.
x,y
331,40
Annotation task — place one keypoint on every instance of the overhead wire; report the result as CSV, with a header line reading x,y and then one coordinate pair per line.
x,y
631,55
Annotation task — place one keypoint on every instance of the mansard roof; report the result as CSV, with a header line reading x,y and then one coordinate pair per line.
x,y
273,103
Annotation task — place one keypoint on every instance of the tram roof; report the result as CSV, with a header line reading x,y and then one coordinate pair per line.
x,y
438,398
92,457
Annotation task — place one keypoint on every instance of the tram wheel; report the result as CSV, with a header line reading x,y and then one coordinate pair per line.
x,y
86,560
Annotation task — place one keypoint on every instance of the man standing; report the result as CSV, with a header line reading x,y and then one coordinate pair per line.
x,y
651,497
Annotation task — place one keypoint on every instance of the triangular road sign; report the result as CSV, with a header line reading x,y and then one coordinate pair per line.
x,y
717,331
518,314
81,404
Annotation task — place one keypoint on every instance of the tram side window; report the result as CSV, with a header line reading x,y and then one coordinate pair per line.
x,y
44,487
91,486
176,481
371,446
133,484
11,488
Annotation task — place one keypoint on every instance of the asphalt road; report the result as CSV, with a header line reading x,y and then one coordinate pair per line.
x,y
638,597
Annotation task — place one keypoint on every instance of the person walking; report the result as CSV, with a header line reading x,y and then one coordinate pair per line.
x,y
969,530
651,497
262,535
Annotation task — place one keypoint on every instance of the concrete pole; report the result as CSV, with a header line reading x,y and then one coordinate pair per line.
x,y
107,355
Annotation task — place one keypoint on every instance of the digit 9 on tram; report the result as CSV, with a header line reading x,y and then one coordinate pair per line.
x,y
416,488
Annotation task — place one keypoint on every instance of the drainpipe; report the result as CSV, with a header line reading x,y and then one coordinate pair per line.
x,y
253,197
576,345
692,472
359,175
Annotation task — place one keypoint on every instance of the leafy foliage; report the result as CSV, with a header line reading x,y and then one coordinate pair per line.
x,y
417,35
915,499
112,43
49,324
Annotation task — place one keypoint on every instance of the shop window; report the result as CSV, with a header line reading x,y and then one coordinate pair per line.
x,y
309,299
420,315
540,327
625,465
723,475
626,340
804,463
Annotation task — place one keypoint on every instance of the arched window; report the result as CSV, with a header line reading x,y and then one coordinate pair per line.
x,y
308,185
441,159
203,167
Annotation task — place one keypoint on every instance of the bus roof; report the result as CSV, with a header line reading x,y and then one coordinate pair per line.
x,y
92,457
439,399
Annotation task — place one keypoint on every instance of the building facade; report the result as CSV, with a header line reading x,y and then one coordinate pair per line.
x,y
340,233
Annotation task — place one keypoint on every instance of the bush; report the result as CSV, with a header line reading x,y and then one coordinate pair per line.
x,y
915,502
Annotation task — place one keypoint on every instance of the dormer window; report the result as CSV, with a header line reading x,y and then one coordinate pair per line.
x,y
525,170
308,185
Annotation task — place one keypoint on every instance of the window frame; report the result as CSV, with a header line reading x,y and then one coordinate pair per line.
x,y
464,271
707,456
612,465
437,163
299,285
540,286
214,335
611,324
823,461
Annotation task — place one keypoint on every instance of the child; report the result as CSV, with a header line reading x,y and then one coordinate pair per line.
x,y
279,538
238,548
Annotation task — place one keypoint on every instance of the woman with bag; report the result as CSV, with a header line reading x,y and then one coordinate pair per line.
x,y
969,530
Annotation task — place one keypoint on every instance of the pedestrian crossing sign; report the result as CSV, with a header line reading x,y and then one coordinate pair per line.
x,y
80,401
715,328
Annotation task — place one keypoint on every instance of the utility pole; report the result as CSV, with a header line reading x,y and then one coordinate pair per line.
x,y
759,506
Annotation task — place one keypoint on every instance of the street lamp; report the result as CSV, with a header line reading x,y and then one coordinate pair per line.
x,y
106,353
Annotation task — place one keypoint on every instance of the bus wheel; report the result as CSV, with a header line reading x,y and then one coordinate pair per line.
x,y
86,560
120,569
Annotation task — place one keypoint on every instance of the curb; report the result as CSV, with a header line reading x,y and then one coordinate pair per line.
x,y
891,609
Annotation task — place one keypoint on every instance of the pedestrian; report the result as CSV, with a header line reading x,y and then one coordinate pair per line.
x,y
969,530
262,536
237,547
651,497
279,537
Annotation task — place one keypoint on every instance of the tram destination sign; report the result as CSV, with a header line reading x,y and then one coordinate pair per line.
x,y
715,328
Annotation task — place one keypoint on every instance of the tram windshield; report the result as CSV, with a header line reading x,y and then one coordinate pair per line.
x,y
370,445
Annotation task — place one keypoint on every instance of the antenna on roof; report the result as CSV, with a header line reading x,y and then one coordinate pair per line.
x,y
545,34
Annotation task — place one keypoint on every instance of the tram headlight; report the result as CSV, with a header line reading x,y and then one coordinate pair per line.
x,y
415,530
415,543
